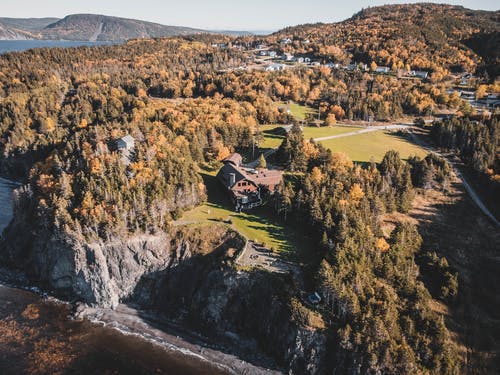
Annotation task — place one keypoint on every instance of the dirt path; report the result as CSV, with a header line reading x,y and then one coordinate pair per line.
x,y
364,130
468,188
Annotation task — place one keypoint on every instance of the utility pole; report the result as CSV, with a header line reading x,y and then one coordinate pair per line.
x,y
253,147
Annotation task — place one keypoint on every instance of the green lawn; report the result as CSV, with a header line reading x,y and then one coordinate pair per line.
x,y
362,147
259,224
298,111
270,140
325,131
274,140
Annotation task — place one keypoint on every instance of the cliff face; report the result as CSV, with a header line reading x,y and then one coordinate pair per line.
x,y
101,273
188,275
247,310
98,274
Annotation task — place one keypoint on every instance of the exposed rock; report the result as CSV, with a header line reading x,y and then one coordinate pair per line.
x,y
187,275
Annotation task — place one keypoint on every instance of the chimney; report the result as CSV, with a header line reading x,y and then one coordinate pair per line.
x,y
232,179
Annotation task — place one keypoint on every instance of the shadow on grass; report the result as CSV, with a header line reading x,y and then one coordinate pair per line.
x,y
399,136
462,234
294,244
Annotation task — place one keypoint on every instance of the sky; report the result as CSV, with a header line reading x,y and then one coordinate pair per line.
x,y
248,15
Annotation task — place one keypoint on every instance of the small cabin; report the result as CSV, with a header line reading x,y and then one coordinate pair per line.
x,y
125,143
382,69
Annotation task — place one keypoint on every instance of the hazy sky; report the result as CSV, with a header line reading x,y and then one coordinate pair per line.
x,y
213,14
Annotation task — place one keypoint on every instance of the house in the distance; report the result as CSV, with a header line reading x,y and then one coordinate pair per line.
x,y
125,143
275,67
419,74
246,185
382,69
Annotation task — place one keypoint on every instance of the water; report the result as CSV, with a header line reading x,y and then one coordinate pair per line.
x,y
22,45
38,336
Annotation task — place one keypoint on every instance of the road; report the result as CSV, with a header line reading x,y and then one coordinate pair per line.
x,y
468,188
271,151
364,130
255,163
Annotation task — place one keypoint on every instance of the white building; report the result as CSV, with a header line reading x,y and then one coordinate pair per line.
x,y
125,143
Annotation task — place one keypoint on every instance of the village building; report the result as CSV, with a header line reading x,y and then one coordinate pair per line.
x,y
382,69
247,185
275,67
125,143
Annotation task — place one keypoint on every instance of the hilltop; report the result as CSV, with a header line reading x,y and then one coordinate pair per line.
x,y
91,27
104,28
424,36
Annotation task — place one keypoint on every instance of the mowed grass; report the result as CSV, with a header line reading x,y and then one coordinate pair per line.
x,y
362,147
271,140
326,131
259,224
298,111
274,140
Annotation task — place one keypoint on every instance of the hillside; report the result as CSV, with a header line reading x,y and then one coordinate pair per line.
x,y
88,27
103,28
417,36
8,32
28,24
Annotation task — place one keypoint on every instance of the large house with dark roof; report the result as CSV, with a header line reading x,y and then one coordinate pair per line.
x,y
245,185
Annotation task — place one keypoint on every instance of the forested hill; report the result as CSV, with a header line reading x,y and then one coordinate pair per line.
x,y
105,28
9,32
86,27
425,36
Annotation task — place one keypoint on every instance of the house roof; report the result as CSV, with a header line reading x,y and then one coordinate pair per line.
x,y
226,171
265,177
234,158
127,139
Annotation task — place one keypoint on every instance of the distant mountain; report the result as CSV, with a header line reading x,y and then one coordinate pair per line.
x,y
233,32
9,32
95,27
86,27
28,24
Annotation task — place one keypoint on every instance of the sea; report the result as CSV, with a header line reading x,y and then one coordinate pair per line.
x,y
23,45
39,335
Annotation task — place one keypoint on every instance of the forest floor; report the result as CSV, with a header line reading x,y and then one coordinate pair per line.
x,y
453,226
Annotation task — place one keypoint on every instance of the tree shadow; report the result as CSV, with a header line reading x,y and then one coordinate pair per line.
x,y
460,232
193,299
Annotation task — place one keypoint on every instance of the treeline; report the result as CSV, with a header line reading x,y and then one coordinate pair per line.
x,y
45,93
379,311
477,142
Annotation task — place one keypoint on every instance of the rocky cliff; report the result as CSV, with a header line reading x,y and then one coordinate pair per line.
x,y
186,275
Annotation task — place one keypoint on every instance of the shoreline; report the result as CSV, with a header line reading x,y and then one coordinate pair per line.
x,y
148,327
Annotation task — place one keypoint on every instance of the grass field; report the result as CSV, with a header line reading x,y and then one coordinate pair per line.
x,y
363,147
297,110
259,224
274,140
325,131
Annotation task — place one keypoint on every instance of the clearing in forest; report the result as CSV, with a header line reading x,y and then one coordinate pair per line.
x,y
260,224
362,147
